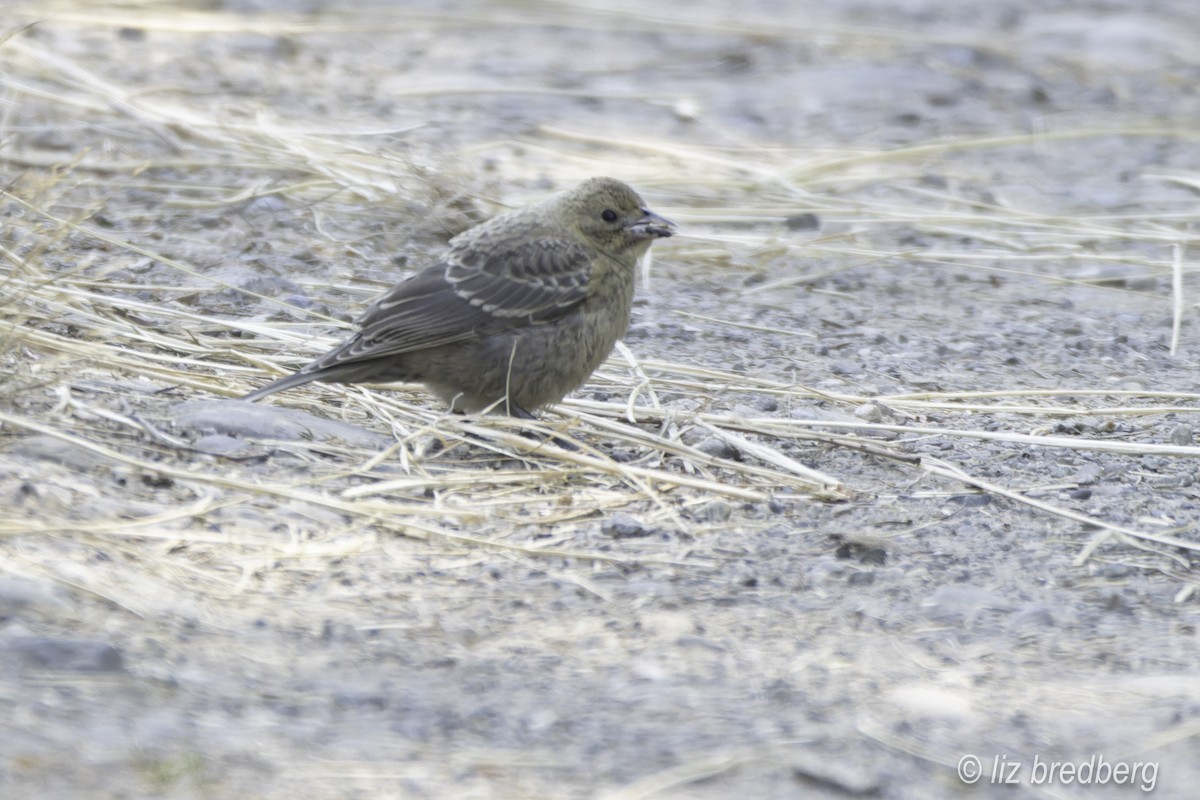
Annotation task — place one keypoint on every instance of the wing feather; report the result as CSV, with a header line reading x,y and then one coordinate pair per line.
x,y
473,292
526,279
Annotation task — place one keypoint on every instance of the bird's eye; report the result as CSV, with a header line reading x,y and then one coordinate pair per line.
x,y
608,215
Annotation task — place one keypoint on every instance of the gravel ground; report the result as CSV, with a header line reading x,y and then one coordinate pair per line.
x,y
981,197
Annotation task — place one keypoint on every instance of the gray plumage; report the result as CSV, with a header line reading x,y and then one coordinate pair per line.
x,y
517,313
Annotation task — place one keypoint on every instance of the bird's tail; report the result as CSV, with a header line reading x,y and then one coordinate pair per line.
x,y
298,379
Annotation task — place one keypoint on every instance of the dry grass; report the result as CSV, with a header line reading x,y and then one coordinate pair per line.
x,y
69,324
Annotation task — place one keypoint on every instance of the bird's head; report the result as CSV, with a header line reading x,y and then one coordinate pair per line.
x,y
613,216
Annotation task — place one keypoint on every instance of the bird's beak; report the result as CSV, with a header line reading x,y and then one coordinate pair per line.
x,y
651,226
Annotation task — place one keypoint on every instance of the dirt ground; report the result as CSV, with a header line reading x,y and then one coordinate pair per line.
x,y
939,252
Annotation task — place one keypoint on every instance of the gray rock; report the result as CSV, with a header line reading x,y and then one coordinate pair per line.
x,y
18,595
66,655
237,418
624,526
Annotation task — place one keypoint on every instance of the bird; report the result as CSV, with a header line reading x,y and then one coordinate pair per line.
x,y
519,310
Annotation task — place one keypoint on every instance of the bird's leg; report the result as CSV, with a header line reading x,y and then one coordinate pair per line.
x,y
515,410
519,412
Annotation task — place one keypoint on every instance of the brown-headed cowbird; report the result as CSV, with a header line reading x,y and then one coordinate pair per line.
x,y
519,311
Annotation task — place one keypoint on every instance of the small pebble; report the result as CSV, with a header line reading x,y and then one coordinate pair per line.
x,y
869,412
719,448
766,403
715,511
1183,436
1032,617
623,526
803,222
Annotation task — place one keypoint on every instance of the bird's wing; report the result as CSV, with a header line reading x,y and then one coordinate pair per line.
x,y
536,279
467,296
